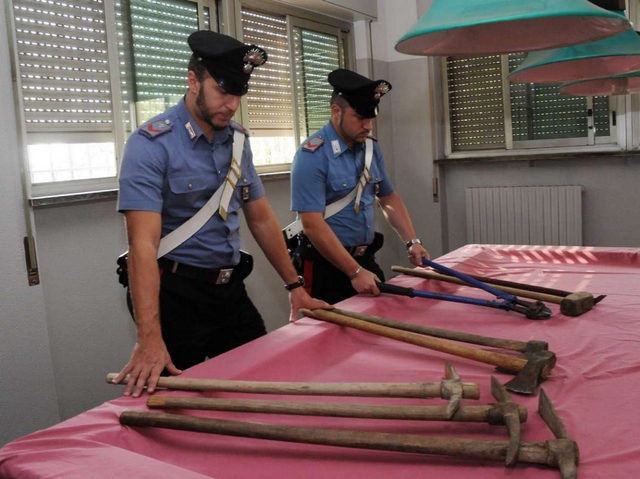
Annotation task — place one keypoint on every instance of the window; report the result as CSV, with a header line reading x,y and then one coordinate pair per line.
x,y
89,71
487,112
289,96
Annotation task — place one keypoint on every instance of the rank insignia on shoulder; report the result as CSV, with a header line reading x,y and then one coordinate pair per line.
x,y
156,128
237,126
312,144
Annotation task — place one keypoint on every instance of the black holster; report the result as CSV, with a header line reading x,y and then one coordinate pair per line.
x,y
123,269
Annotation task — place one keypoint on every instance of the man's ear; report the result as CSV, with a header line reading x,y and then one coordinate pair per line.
x,y
192,82
336,110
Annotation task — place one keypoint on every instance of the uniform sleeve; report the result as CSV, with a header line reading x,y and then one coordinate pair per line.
x,y
308,182
386,188
142,174
256,188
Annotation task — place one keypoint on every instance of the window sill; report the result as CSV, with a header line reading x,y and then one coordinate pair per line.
x,y
112,194
568,155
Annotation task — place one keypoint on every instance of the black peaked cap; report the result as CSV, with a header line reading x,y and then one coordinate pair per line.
x,y
362,94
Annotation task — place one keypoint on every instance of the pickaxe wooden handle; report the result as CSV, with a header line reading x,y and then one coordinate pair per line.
x,y
366,411
536,366
406,390
561,452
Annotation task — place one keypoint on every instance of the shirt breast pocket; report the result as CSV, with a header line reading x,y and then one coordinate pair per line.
x,y
342,183
188,193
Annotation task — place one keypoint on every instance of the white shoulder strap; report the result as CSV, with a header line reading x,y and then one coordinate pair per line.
x,y
219,200
296,227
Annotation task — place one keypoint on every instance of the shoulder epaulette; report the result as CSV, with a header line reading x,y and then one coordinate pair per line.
x,y
238,127
156,128
312,144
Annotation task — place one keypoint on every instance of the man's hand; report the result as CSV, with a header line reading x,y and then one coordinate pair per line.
x,y
365,282
299,298
147,361
416,253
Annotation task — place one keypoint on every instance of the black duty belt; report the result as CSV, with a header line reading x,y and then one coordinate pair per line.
x,y
357,251
217,276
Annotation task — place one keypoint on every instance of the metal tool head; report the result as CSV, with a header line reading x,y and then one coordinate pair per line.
x,y
577,303
534,310
452,388
563,451
506,412
539,365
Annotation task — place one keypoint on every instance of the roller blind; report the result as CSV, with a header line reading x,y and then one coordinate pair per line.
x,y
476,109
63,65
539,112
160,53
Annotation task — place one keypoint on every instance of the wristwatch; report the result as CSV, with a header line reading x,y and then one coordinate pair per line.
x,y
297,284
413,241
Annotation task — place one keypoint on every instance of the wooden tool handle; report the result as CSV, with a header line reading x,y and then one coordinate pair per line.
x,y
365,411
437,332
471,448
406,390
423,273
500,360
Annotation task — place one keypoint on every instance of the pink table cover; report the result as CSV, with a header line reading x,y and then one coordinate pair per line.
x,y
593,387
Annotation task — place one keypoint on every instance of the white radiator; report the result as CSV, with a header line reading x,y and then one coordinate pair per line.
x,y
532,215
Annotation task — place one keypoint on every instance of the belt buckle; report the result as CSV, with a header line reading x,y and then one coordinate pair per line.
x,y
360,250
224,276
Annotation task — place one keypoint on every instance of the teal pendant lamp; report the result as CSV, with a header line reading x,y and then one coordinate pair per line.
x,y
485,27
615,85
612,56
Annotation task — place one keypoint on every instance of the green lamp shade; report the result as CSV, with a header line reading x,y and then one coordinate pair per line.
x,y
608,57
486,27
617,85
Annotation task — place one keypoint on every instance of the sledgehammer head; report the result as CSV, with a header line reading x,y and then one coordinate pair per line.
x,y
576,303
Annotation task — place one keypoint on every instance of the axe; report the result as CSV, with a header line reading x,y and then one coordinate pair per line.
x,y
530,369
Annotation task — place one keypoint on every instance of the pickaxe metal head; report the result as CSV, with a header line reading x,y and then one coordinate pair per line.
x,y
563,451
506,412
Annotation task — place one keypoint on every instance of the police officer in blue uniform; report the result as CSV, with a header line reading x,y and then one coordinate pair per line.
x,y
338,252
192,304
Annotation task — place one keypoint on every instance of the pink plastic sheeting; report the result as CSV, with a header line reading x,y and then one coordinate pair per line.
x,y
593,386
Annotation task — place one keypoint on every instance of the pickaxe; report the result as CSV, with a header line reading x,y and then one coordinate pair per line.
x,y
443,389
531,368
561,452
571,304
505,412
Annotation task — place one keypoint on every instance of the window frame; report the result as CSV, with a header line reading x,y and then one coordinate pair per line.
x,y
296,17
38,191
616,141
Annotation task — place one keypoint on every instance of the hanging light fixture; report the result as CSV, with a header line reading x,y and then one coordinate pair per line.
x,y
485,27
611,56
615,85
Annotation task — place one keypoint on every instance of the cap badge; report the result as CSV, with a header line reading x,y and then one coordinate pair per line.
x,y
382,89
253,58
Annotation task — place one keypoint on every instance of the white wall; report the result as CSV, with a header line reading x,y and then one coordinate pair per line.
x,y
27,393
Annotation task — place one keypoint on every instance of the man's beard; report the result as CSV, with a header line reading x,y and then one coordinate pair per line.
x,y
201,104
340,124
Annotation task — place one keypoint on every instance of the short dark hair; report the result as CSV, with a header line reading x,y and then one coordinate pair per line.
x,y
339,100
197,67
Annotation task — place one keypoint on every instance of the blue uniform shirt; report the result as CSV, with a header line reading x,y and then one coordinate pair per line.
x,y
323,176
169,167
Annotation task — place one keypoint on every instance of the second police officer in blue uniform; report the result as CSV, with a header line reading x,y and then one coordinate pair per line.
x,y
338,251
191,303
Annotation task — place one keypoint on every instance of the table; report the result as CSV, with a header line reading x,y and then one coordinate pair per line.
x,y
594,385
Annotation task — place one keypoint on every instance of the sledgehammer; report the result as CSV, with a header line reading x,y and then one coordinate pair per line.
x,y
571,304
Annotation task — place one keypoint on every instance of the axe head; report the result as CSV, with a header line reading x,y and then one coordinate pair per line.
x,y
539,365
577,303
